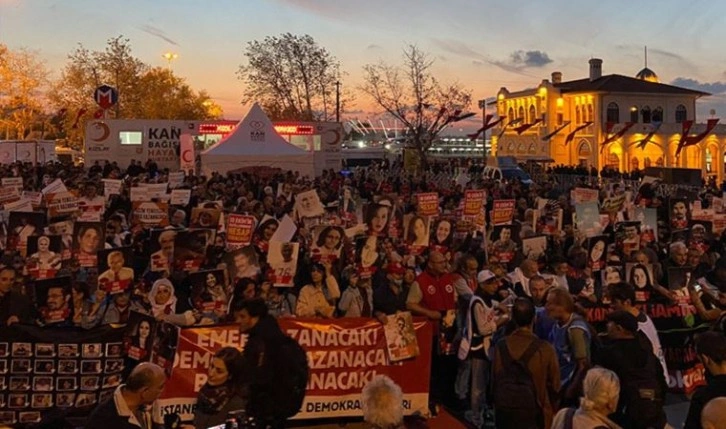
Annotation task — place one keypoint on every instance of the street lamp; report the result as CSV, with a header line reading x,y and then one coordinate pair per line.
x,y
170,56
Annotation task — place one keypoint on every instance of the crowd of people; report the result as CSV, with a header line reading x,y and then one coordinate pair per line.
x,y
506,293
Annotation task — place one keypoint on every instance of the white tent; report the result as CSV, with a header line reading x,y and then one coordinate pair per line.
x,y
255,143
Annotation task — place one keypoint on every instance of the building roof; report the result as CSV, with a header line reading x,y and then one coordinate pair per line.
x,y
647,74
620,83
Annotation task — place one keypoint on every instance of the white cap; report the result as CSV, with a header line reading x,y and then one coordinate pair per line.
x,y
484,276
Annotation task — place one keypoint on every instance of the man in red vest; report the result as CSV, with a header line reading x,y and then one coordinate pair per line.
x,y
433,296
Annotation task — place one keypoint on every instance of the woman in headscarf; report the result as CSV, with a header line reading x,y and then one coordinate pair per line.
x,y
163,304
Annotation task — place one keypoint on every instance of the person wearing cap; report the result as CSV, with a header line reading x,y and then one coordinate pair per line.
x,y
622,297
643,385
391,298
483,319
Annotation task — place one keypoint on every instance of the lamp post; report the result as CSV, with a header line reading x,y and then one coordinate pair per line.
x,y
170,56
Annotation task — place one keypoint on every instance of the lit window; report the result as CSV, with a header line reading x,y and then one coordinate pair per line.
x,y
130,137
532,114
577,114
634,114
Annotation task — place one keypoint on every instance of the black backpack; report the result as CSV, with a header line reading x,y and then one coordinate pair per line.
x,y
291,363
513,387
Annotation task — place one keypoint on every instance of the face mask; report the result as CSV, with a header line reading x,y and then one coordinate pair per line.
x,y
398,282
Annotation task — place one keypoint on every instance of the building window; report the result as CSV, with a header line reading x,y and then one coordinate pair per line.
x,y
560,119
645,113
510,114
521,113
634,114
577,114
613,113
532,113
590,114
681,113
657,115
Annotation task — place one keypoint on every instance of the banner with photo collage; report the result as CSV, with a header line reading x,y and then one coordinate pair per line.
x,y
44,369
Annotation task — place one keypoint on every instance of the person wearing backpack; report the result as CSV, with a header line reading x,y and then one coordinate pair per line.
x,y
642,384
480,323
276,367
525,375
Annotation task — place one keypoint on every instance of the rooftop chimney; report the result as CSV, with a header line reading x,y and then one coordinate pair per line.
x,y
556,77
595,68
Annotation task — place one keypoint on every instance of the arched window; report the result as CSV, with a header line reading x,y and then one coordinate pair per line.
x,y
681,113
645,113
521,113
646,162
510,114
613,113
577,114
634,114
590,113
532,113
657,115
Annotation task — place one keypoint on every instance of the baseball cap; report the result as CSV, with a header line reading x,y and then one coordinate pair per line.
x,y
484,276
625,320
395,268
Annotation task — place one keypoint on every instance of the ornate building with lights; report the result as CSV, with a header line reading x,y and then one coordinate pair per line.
x,y
607,120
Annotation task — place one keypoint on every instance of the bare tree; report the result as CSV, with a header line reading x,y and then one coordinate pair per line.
x,y
292,77
411,94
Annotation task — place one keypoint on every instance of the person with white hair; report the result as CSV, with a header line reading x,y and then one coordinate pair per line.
x,y
382,403
601,389
714,414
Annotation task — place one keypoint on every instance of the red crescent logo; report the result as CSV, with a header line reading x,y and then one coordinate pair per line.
x,y
336,138
105,134
185,158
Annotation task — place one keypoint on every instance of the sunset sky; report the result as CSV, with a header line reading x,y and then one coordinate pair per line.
x,y
482,44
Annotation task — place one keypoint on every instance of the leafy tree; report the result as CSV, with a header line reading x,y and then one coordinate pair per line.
x,y
411,94
292,77
144,92
23,78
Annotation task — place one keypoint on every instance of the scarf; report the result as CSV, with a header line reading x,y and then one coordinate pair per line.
x,y
169,307
213,398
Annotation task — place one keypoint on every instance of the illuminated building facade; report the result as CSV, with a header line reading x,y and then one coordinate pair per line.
x,y
599,108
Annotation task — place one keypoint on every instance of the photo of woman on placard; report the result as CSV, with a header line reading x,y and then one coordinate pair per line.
x,y
45,258
417,231
367,255
208,294
88,240
640,275
377,217
443,235
597,247
264,233
328,242
140,330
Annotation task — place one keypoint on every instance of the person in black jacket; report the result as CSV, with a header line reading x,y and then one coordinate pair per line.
x,y
643,386
711,350
264,341
14,307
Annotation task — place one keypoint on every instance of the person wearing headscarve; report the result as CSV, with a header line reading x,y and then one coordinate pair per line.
x,y
163,304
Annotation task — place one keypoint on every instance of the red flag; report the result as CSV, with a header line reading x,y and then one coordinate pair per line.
x,y
643,143
556,131
571,136
522,128
487,125
692,140
612,138
80,113
686,128
509,124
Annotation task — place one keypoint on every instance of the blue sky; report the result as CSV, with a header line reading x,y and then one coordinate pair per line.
x,y
482,44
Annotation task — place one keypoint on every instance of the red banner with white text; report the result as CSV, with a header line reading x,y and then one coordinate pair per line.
x,y
343,354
